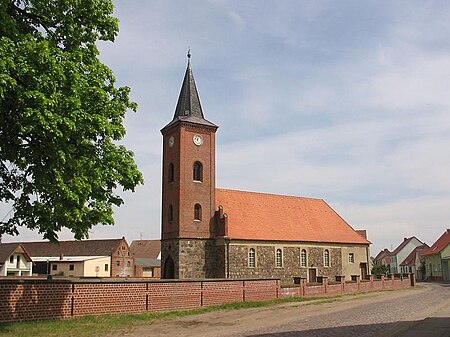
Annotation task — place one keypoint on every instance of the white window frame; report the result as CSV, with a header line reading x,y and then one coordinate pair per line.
x,y
303,258
351,257
326,258
279,258
251,257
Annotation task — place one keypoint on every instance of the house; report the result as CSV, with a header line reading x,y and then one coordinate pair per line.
x,y
437,259
14,260
147,258
84,258
383,258
401,253
414,262
209,232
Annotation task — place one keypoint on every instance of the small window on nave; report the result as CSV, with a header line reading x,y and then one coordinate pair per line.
x,y
251,258
326,258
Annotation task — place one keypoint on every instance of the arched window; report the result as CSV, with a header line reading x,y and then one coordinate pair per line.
x,y
197,212
251,258
279,259
170,215
198,171
171,173
303,258
326,258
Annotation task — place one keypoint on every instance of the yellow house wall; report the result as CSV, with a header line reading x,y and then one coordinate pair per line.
x,y
82,269
96,268
63,268
360,256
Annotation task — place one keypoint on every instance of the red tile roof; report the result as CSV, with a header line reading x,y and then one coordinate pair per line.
x,y
146,248
411,258
440,244
403,244
381,255
260,216
73,248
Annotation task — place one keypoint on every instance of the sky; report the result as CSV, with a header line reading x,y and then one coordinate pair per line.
x,y
347,101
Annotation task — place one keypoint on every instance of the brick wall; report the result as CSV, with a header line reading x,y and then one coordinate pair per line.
x,y
347,287
34,300
25,300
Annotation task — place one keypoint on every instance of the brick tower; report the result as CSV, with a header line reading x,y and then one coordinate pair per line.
x,y
188,188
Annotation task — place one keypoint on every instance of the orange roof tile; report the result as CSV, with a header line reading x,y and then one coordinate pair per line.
x,y
411,258
146,248
440,244
260,216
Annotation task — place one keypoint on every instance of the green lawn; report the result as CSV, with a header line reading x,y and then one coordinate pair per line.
x,y
90,326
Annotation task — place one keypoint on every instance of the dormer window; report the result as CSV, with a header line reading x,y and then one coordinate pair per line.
x,y
198,171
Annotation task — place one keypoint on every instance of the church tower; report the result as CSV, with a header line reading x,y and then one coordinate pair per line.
x,y
188,187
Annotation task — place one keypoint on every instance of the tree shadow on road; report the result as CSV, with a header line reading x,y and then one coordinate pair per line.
x,y
429,327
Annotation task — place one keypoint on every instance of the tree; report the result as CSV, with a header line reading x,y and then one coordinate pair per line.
x,y
61,117
380,269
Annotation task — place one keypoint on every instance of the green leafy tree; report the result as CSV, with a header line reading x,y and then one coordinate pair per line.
x,y
380,269
61,116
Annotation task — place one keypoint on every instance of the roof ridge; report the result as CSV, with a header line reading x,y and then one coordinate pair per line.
x,y
59,241
267,193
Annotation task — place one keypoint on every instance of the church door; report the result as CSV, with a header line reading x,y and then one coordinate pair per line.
x,y
169,269
312,275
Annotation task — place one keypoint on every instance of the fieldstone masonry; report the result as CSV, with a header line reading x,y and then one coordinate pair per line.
x,y
195,258
265,262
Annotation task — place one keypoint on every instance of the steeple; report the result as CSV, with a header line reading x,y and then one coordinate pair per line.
x,y
188,107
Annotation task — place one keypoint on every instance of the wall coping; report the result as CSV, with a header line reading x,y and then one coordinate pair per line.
x,y
124,281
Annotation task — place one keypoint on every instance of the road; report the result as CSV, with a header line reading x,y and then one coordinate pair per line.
x,y
423,311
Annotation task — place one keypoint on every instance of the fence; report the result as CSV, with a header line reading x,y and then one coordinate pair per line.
x,y
36,299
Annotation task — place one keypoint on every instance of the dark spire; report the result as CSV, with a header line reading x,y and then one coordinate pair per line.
x,y
188,101
188,107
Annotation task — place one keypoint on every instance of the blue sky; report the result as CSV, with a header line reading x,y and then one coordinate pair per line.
x,y
347,101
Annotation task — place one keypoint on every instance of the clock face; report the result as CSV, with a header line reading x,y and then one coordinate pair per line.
x,y
198,140
171,141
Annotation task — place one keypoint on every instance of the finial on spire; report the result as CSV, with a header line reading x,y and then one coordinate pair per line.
x,y
189,53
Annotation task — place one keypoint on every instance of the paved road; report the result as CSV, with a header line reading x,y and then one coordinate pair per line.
x,y
423,311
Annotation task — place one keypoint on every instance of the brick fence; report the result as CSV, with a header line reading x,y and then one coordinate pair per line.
x,y
347,287
37,299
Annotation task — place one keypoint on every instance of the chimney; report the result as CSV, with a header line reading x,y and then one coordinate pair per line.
x,y
405,239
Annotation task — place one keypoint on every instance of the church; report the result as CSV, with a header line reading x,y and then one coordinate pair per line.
x,y
209,232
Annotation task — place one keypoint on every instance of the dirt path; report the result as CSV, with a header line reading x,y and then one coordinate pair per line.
x,y
372,314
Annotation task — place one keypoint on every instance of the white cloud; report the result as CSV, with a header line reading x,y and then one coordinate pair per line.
x,y
342,101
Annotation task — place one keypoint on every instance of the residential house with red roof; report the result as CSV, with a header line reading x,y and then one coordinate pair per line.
x,y
14,260
147,258
209,232
437,259
414,262
383,258
402,251
82,258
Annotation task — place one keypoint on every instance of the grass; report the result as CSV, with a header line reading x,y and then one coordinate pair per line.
x,y
97,326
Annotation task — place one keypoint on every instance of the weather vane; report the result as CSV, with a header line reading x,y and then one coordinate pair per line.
x,y
189,53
